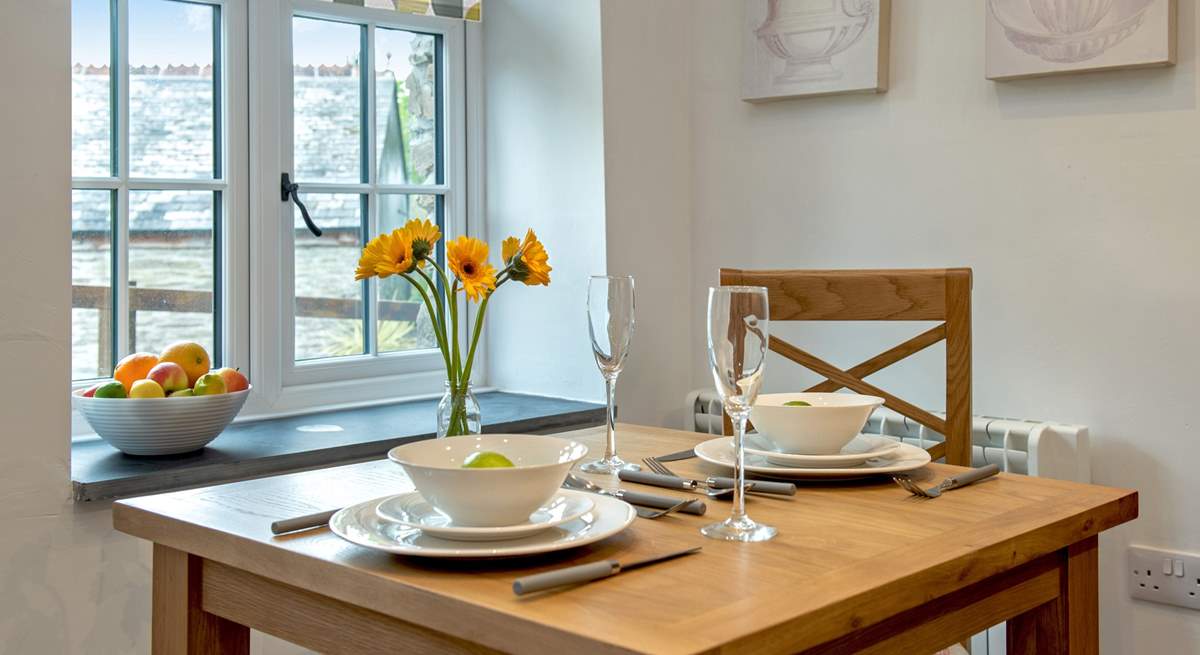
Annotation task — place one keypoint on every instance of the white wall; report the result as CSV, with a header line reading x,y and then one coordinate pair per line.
x,y
545,170
70,583
1073,198
647,154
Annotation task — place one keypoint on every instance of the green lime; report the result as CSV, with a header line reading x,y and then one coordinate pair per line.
x,y
486,459
111,390
797,403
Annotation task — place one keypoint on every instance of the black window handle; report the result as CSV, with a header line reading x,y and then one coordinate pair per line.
x,y
288,188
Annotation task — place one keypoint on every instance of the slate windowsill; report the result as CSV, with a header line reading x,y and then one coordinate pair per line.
x,y
273,446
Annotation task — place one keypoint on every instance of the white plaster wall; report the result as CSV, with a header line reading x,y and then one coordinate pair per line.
x,y
1073,198
70,583
647,154
545,170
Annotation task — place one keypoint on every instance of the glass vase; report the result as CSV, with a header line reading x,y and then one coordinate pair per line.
x,y
458,412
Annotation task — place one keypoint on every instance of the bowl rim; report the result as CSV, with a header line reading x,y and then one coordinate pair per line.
x,y
77,394
857,399
574,444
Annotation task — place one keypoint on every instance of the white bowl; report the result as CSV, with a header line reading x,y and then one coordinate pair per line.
x,y
488,497
160,426
832,421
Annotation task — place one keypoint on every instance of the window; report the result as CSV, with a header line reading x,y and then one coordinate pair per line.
x,y
151,187
176,237
370,138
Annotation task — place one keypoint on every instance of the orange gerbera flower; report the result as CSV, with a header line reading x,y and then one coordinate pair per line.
x,y
424,235
395,254
370,257
468,261
528,262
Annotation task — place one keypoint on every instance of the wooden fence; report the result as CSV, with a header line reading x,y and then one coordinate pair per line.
x,y
178,300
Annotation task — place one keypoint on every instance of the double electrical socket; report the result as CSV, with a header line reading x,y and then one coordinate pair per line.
x,y
1164,576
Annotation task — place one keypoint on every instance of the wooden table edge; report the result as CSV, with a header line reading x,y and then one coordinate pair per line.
x,y
423,604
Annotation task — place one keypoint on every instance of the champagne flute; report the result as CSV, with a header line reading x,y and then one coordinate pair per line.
x,y
610,324
737,348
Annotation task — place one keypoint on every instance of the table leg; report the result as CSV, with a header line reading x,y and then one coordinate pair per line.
x,y
1070,624
179,626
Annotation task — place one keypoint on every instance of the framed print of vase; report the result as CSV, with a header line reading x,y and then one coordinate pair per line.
x,y
797,48
1033,38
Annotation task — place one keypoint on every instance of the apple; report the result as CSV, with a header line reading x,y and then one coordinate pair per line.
x,y
91,391
209,384
146,389
182,393
234,380
169,375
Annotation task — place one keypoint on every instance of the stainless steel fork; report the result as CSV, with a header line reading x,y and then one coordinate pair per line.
x,y
659,468
953,482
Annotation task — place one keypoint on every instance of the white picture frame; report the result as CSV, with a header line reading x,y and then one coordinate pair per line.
x,y
799,48
1036,38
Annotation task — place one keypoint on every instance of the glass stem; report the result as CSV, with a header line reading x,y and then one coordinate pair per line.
x,y
610,444
739,467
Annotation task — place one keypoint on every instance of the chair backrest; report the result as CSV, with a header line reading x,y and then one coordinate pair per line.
x,y
882,295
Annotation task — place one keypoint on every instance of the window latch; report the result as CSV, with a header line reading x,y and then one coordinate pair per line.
x,y
289,189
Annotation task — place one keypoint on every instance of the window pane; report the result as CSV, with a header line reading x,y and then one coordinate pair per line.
x,y
171,269
406,111
329,303
170,89
328,98
404,323
91,278
91,90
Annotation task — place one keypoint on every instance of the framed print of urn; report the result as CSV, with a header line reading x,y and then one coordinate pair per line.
x,y
1033,38
797,48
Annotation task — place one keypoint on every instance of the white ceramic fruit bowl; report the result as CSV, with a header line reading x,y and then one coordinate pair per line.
x,y
488,497
160,426
824,428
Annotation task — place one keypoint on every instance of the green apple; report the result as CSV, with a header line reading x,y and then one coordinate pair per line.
x,y
486,459
209,384
797,403
182,393
111,390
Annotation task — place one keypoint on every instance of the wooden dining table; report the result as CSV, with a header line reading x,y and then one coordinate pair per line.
x,y
858,566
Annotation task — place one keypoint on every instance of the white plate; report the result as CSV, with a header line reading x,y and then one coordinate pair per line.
x,y
359,524
907,457
412,510
859,450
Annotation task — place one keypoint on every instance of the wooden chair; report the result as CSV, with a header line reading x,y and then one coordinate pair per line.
x,y
882,295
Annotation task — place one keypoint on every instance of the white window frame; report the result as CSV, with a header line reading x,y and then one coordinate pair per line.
x,y
283,386
232,223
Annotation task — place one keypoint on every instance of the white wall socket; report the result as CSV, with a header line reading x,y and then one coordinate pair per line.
x,y
1164,576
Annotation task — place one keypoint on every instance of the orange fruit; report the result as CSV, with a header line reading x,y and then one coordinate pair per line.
x,y
133,368
191,356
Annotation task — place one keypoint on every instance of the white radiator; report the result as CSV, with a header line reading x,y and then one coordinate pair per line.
x,y
1039,448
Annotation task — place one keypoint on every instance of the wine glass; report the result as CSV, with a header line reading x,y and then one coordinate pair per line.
x,y
737,348
610,324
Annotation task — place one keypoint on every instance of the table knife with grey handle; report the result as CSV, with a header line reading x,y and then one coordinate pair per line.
x,y
588,572
675,457
305,522
655,501
672,482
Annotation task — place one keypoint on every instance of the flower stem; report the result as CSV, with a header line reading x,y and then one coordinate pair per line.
x,y
429,307
454,320
475,337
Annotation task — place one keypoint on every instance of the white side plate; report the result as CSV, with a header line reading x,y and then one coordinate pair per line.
x,y
719,451
359,524
413,511
861,449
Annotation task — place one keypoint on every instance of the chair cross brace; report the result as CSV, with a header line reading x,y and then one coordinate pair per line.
x,y
836,378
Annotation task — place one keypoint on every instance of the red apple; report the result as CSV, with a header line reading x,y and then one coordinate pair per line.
x,y
234,380
169,375
91,392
